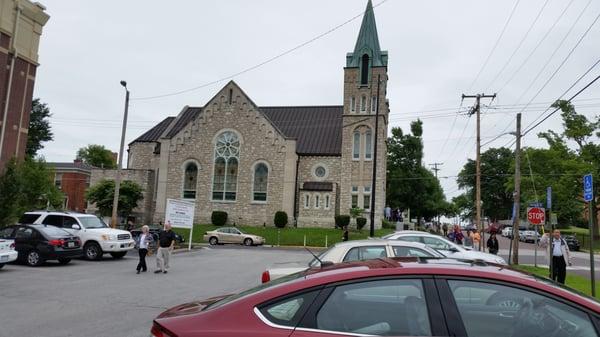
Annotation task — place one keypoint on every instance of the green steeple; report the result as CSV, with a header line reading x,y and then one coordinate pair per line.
x,y
367,42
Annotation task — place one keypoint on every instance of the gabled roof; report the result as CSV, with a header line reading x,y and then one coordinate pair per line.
x,y
317,129
154,134
187,116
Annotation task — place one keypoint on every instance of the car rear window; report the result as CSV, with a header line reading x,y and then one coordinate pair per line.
x,y
28,218
53,231
257,289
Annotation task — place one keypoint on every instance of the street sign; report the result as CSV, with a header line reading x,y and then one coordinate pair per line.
x,y
536,204
553,219
588,190
536,215
549,197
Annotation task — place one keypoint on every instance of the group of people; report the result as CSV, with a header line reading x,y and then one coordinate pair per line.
x,y
471,239
394,215
166,242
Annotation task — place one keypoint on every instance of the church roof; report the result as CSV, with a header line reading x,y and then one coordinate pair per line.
x,y
367,42
317,129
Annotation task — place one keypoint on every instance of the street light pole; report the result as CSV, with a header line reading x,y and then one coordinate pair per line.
x,y
113,220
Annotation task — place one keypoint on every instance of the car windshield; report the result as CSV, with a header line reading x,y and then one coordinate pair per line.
x,y
92,222
256,289
53,232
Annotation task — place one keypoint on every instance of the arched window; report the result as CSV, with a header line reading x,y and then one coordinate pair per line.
x,y
363,103
227,152
261,176
352,104
190,181
368,144
364,70
356,145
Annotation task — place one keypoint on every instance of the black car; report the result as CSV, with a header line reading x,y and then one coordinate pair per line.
x,y
36,244
154,232
572,242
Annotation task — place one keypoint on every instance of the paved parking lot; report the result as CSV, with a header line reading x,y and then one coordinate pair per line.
x,y
107,298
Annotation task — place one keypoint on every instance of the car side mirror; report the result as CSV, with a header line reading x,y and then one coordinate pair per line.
x,y
453,250
76,226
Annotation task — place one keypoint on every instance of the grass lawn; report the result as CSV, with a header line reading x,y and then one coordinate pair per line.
x,y
576,282
576,230
289,236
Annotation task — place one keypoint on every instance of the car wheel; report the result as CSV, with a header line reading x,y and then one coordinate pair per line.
x,y
92,251
213,241
248,242
118,255
1,265
34,259
64,261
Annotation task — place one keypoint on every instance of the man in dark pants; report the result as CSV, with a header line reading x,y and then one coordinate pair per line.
x,y
558,249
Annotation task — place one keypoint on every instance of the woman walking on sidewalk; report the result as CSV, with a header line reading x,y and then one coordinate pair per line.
x,y
492,244
143,242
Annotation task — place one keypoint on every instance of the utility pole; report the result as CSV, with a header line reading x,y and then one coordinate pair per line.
x,y
113,220
477,110
436,169
374,180
516,220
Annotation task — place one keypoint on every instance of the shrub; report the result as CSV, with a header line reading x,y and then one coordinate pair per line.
x,y
387,224
342,221
281,219
218,218
361,222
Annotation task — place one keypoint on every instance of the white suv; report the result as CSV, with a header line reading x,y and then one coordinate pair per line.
x,y
96,237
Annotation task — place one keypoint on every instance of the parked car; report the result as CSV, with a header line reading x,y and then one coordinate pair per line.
x,y
521,229
232,235
7,251
355,250
391,297
572,242
444,246
36,244
529,236
154,230
96,237
507,231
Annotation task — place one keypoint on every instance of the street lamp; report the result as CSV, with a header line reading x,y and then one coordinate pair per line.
x,y
113,220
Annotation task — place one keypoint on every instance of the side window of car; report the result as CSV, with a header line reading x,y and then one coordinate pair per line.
x,y
23,233
7,233
436,243
288,311
381,308
365,253
410,251
68,222
54,220
495,310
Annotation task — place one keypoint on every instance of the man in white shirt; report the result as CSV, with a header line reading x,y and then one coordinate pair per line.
x,y
558,251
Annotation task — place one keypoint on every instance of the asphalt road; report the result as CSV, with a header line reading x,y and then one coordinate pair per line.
x,y
107,298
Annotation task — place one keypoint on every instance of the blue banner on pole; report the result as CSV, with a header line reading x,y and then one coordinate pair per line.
x,y
549,197
588,190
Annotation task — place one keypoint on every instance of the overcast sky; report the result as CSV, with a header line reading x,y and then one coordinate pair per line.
x,y
436,50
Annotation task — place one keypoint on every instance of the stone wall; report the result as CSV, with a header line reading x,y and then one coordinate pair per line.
x,y
321,216
145,178
141,156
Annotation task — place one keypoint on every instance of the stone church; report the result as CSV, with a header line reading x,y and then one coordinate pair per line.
x,y
250,160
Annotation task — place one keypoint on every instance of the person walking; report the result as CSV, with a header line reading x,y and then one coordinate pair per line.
x,y
557,249
458,235
445,229
143,242
469,239
388,213
476,238
492,244
166,241
345,234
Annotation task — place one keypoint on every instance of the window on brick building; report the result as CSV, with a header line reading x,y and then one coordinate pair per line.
x,y
327,201
367,198
261,176
58,180
364,70
368,144
363,103
354,197
353,104
306,201
227,152
356,145
190,181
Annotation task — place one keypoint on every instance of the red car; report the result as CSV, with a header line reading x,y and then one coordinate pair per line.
x,y
392,297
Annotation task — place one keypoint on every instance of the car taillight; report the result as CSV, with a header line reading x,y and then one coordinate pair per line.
x,y
57,243
266,277
158,331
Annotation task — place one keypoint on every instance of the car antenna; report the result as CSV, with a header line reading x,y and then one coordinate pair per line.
x,y
321,263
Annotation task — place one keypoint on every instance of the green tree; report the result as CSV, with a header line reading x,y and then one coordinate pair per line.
x,y
496,169
26,186
102,194
97,156
39,128
409,184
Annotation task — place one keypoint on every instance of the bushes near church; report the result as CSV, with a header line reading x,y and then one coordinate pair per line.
x,y
218,218
342,221
281,219
360,223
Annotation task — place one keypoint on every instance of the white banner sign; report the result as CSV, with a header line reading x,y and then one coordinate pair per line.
x,y
180,213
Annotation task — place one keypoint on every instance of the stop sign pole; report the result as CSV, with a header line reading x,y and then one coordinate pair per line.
x,y
536,216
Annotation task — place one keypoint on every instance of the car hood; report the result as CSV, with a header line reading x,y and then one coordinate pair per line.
x,y
475,255
107,231
190,308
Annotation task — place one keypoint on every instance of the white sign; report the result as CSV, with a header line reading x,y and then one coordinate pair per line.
x,y
180,213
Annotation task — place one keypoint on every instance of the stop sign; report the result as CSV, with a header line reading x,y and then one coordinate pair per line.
x,y
536,215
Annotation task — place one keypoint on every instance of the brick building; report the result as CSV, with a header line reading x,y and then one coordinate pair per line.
x,y
313,162
21,25
72,179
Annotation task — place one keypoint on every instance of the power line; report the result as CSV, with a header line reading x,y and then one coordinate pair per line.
x,y
452,127
495,44
519,45
269,60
